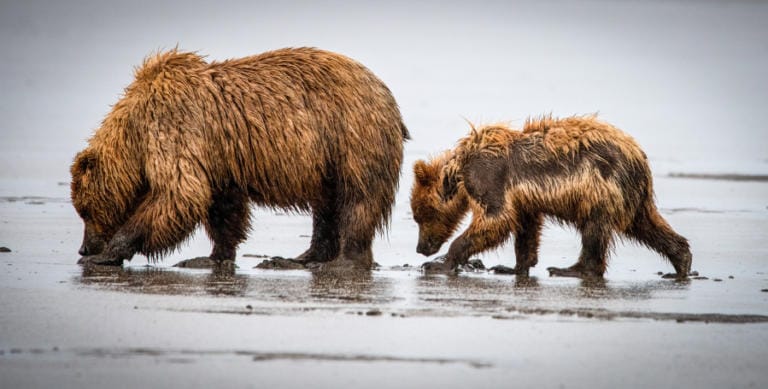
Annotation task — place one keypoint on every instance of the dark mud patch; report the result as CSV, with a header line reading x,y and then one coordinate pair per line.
x,y
202,263
501,269
189,355
33,200
671,211
721,177
602,314
256,256
5,250
367,358
404,267
196,263
280,263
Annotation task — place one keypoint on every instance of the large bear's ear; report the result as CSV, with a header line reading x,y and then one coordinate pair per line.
x,y
84,161
422,173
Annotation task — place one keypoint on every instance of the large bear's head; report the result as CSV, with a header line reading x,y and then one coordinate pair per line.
x,y
94,201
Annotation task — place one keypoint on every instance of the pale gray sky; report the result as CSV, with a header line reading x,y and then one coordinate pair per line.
x,y
687,79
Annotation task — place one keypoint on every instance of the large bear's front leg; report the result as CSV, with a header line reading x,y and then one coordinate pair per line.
x,y
162,221
484,233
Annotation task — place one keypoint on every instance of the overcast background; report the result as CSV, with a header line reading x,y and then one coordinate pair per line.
x,y
688,79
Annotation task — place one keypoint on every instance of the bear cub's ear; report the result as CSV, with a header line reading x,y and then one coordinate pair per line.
x,y
423,173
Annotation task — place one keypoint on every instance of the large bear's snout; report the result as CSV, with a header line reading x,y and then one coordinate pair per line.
x,y
93,244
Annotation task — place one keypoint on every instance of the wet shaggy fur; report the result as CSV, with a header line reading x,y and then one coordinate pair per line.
x,y
194,142
577,170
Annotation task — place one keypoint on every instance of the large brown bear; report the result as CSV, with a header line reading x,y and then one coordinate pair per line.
x,y
577,170
192,142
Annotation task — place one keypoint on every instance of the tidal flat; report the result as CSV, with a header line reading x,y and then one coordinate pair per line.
x,y
154,324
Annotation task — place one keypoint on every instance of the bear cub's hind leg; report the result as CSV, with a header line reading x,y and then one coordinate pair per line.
x,y
527,242
595,243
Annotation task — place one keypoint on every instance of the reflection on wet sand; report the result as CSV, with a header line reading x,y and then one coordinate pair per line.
x,y
164,281
404,293
359,286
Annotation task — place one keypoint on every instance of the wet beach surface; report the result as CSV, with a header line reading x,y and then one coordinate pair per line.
x,y
155,324
686,79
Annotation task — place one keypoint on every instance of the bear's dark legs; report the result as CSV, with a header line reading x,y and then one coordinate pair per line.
x,y
357,227
227,223
325,234
595,243
527,242
650,229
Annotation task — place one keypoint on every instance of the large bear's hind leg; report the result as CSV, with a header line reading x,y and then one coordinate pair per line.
x,y
325,234
357,228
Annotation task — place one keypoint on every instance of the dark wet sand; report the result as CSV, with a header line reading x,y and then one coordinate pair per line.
x,y
722,177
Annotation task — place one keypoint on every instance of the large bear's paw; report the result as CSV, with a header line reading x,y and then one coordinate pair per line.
x,y
99,259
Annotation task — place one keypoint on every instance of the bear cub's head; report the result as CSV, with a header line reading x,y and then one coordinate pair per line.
x,y
437,215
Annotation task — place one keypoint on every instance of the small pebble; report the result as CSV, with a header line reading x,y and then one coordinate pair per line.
x,y
764,290
248,306
700,278
693,273
373,312
730,277
5,250
659,273
717,279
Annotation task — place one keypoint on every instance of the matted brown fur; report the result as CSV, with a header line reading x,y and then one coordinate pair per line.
x,y
192,142
577,170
